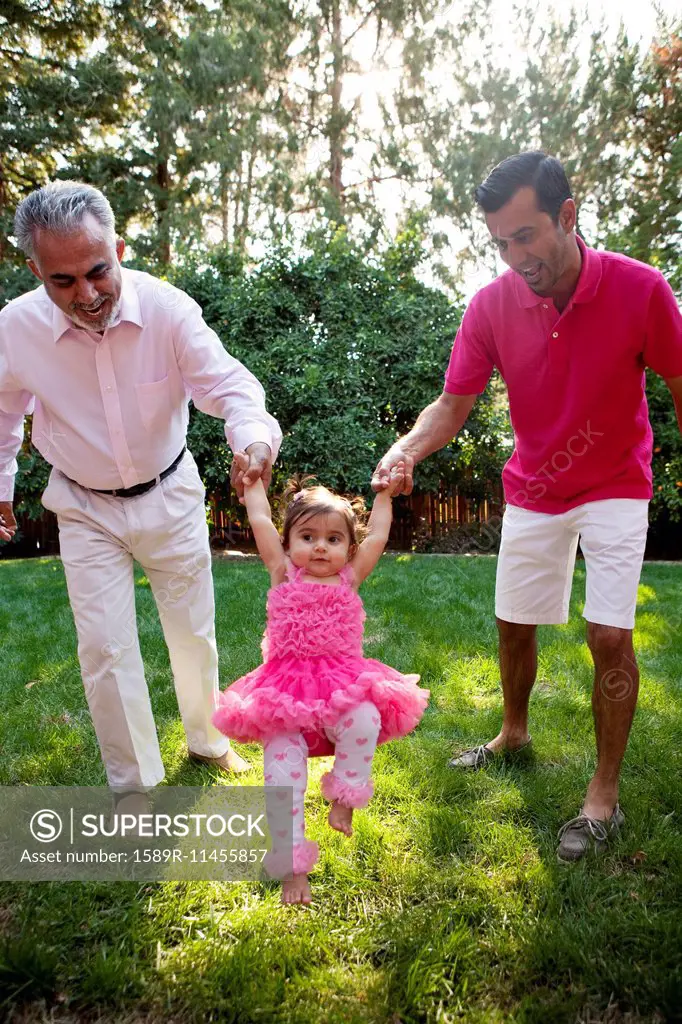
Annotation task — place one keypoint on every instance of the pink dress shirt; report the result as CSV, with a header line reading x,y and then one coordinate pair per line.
x,y
111,410
575,379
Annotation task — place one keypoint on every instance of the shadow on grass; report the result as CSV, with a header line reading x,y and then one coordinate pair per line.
x,y
88,931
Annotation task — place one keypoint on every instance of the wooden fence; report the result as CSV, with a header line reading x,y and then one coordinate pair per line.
x,y
423,514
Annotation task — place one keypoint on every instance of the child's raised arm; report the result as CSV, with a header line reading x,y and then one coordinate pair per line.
x,y
379,526
260,520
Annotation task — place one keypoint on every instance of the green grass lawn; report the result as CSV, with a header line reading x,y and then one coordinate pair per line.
x,y
447,905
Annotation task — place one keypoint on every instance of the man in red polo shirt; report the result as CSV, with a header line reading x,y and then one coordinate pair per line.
x,y
570,330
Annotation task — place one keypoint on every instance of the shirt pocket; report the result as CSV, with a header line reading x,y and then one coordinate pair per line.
x,y
154,403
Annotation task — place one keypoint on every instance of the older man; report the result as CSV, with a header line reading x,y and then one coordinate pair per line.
x,y
570,330
107,358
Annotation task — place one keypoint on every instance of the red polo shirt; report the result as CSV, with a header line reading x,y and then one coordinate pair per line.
x,y
575,380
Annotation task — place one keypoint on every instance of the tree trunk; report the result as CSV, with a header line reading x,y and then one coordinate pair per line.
x,y
246,202
336,125
4,246
224,207
163,209
238,198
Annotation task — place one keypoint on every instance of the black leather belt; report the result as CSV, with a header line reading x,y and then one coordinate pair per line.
x,y
132,492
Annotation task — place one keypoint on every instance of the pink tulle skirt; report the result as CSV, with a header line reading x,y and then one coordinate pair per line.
x,y
308,695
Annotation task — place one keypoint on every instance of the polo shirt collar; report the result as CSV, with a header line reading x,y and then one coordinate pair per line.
x,y
130,309
585,290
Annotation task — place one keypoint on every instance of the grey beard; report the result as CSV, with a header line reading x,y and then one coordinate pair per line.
x,y
88,325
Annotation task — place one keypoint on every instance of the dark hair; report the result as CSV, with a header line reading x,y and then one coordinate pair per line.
x,y
533,169
302,502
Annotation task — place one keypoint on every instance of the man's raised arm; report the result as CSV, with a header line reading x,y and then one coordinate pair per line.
x,y
436,425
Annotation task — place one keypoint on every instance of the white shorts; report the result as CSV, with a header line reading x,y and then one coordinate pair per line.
x,y
537,557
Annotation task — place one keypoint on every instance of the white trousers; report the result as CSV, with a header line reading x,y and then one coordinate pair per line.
x,y
537,558
165,530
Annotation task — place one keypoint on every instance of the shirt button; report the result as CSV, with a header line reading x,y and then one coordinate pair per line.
x,y
555,334
545,306
108,387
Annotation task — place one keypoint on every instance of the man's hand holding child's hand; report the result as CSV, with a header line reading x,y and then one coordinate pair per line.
x,y
244,474
396,480
249,466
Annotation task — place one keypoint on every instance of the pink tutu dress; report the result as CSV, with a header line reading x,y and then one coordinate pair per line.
x,y
314,671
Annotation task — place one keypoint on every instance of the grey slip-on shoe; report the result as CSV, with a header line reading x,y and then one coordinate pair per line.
x,y
583,833
479,757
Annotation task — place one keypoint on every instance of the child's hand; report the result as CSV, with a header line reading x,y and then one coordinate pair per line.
x,y
242,460
396,479
240,464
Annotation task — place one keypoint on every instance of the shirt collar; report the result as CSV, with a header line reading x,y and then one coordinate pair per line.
x,y
585,290
130,309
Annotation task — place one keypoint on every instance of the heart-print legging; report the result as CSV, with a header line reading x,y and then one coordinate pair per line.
x,y
354,736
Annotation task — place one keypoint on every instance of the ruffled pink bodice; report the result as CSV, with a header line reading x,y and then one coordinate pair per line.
x,y
306,620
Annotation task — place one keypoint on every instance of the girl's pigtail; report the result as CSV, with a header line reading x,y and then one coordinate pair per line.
x,y
360,514
294,487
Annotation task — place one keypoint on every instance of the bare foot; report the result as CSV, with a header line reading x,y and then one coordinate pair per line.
x,y
508,743
296,890
341,818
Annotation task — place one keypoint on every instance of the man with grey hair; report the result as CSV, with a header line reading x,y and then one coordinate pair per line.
x,y
106,359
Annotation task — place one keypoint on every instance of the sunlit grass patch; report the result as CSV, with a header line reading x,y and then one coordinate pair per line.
x,y
446,905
